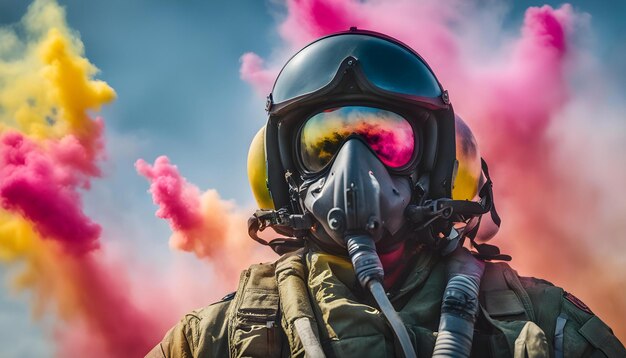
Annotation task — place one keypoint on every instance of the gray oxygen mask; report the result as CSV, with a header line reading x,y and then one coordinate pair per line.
x,y
357,196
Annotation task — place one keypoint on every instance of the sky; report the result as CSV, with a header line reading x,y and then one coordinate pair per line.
x,y
175,67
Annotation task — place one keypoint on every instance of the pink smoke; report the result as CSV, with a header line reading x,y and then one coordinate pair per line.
x,y
42,188
518,97
40,182
80,155
105,313
252,71
179,202
202,223
110,321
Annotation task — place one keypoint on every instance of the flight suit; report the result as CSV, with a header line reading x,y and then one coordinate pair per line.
x,y
518,316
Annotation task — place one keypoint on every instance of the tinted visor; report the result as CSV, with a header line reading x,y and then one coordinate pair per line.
x,y
389,135
386,65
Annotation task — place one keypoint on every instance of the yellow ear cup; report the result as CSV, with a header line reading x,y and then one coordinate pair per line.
x,y
468,174
257,171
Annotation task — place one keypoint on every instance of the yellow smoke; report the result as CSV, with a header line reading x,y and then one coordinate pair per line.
x,y
46,91
46,85
20,243
16,237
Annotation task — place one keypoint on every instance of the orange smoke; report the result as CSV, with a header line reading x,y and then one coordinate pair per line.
x,y
202,223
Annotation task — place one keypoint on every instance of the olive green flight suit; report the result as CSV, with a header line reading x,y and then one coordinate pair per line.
x,y
519,316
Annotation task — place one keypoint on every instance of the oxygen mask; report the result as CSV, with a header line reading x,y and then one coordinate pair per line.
x,y
353,151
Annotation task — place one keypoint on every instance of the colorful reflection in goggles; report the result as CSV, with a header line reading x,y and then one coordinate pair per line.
x,y
389,135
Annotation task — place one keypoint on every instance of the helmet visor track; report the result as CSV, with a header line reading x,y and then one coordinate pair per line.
x,y
386,65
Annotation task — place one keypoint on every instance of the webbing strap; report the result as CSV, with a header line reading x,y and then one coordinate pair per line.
x,y
489,186
281,245
601,337
306,330
297,313
487,251
558,335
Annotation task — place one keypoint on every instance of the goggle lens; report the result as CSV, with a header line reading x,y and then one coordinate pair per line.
x,y
389,135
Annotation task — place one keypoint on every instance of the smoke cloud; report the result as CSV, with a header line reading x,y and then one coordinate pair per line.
x,y
202,223
50,148
35,185
552,144
538,103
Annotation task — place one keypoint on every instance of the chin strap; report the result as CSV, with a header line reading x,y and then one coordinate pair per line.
x,y
487,190
486,251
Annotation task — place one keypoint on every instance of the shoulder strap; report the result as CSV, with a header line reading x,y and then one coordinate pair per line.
x,y
298,318
254,315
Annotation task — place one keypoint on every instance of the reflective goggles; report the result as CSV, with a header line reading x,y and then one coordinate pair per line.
x,y
388,134
387,65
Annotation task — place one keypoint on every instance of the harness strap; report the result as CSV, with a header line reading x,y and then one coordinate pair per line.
x,y
306,331
558,335
298,316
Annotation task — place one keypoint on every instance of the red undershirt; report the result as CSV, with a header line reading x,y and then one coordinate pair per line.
x,y
393,264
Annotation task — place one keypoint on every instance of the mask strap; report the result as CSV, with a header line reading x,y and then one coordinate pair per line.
x,y
263,219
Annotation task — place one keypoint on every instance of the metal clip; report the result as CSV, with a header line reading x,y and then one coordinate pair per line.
x,y
269,102
445,97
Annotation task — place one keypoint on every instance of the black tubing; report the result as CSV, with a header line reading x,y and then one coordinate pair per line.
x,y
369,272
365,260
459,307
393,318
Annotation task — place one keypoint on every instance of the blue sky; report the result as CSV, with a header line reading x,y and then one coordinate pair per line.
x,y
174,65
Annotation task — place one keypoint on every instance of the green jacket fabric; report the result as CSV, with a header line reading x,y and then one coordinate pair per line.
x,y
519,316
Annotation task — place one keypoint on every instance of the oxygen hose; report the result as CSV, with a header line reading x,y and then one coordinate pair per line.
x,y
459,306
369,272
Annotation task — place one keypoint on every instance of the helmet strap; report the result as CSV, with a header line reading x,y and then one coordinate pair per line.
x,y
441,213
